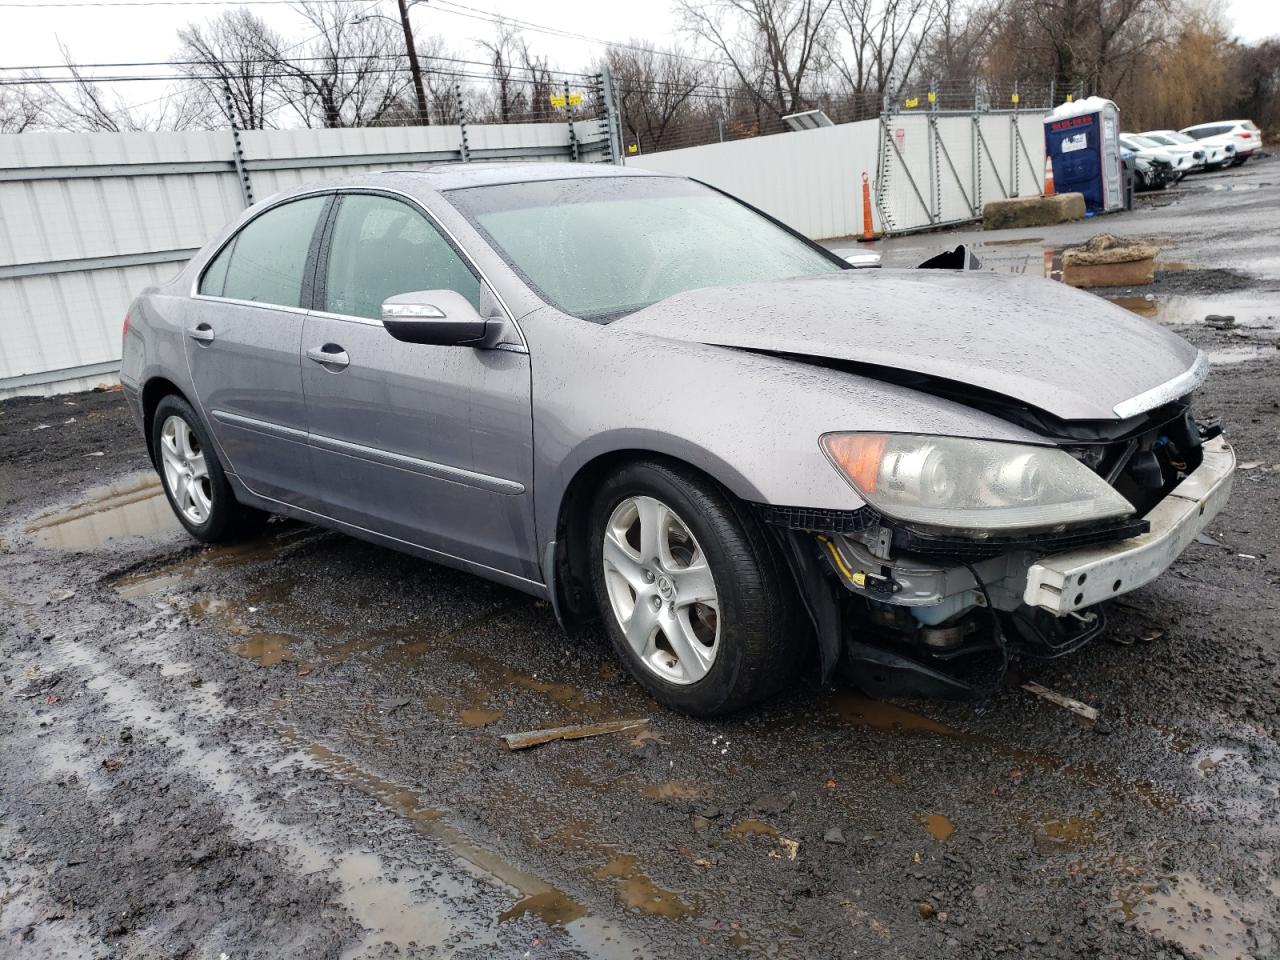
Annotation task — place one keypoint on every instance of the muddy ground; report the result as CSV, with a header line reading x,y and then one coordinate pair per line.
x,y
290,748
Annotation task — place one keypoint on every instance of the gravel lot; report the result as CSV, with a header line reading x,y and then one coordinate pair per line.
x,y
290,748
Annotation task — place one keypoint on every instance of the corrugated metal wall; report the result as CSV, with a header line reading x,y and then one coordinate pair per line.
x,y
87,220
810,180
926,170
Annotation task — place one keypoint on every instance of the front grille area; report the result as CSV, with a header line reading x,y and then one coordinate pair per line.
x,y
1145,467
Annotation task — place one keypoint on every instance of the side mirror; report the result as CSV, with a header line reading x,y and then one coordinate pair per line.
x,y
444,318
859,259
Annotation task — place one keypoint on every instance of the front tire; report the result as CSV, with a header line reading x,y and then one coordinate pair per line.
x,y
693,594
193,478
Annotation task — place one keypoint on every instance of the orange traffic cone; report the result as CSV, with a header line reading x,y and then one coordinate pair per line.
x,y
867,232
1048,176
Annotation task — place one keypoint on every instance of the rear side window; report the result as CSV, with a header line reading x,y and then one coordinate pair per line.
x,y
267,260
215,277
1205,132
382,247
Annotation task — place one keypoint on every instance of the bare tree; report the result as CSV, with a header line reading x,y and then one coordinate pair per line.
x,y
352,74
774,47
229,52
655,90
24,105
956,47
882,40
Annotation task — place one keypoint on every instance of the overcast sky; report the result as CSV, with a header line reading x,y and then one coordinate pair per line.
x,y
115,33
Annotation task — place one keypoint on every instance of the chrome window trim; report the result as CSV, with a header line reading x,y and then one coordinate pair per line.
x,y
1166,392
342,191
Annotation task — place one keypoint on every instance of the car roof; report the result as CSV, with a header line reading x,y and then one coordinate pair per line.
x,y
439,178
455,175
1215,123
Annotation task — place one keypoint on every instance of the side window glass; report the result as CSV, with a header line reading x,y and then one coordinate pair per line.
x,y
270,254
382,247
215,275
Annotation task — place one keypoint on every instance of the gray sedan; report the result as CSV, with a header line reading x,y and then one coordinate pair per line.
x,y
651,404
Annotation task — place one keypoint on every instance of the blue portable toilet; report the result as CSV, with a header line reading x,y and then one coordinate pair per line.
x,y
1082,141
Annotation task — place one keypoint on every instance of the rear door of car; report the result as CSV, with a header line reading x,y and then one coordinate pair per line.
x,y
430,445
243,343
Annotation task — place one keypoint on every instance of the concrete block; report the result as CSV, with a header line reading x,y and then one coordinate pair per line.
x,y
1032,211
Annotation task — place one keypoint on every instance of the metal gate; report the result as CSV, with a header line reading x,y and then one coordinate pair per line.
x,y
939,167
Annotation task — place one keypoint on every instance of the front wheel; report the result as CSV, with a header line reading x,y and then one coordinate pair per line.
x,y
694,596
193,479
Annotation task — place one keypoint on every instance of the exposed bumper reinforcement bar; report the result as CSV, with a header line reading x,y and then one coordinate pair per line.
x,y
1071,581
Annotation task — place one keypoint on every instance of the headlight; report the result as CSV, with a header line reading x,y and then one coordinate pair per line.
x,y
981,486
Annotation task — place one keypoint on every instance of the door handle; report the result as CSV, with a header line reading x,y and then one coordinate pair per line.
x,y
203,333
330,355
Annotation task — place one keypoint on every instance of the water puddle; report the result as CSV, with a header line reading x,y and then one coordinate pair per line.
x,y
266,647
535,897
1202,922
882,715
478,716
635,888
396,905
133,506
1253,312
1234,187
751,827
638,892
1056,833
1225,356
939,826
171,576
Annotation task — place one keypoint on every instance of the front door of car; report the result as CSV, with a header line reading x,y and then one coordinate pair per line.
x,y
430,445
243,336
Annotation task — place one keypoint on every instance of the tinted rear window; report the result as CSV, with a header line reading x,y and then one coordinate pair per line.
x,y
270,254
1202,132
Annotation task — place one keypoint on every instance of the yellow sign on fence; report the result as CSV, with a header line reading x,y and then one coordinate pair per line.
x,y
912,103
558,100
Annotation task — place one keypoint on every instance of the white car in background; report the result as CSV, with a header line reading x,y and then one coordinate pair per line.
x,y
1205,156
1179,163
1244,135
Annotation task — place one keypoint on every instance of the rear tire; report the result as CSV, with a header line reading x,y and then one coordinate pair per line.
x,y
694,595
193,479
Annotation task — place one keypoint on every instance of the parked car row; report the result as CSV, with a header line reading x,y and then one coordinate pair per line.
x,y
1162,157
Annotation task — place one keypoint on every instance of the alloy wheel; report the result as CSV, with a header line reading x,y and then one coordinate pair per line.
x,y
661,590
186,472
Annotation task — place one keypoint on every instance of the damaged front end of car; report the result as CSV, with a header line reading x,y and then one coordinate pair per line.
x,y
970,550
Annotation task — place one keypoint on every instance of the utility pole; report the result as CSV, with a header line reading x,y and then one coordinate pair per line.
x,y
424,118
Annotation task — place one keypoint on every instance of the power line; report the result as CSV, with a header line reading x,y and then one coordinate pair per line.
x,y
489,16
246,61
442,6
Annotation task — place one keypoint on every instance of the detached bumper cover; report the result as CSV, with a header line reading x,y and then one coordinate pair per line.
x,y
1071,581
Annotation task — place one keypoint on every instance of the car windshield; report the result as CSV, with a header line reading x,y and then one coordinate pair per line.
x,y
1160,138
602,247
1144,141
1179,138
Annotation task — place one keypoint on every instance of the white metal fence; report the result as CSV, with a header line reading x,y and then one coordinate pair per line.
x,y
926,169
88,220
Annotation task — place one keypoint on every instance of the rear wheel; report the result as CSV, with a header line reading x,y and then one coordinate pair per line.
x,y
692,593
193,479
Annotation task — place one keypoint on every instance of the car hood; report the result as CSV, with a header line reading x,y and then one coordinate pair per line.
x,y
1037,342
